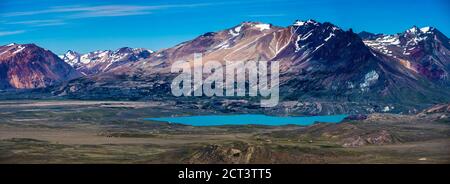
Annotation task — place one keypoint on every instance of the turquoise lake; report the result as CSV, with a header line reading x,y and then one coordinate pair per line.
x,y
249,119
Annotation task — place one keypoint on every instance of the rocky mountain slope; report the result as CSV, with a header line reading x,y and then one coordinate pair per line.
x,y
25,66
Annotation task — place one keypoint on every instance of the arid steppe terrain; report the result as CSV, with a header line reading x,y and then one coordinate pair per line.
x,y
64,131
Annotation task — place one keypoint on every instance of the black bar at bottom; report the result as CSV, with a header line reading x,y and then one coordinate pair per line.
x,y
174,173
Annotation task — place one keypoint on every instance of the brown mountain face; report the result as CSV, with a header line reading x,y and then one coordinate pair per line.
x,y
26,66
246,41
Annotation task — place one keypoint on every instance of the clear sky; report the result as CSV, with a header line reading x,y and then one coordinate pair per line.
x,y
86,25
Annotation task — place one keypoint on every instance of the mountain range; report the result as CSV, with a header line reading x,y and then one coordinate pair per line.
x,y
319,63
101,61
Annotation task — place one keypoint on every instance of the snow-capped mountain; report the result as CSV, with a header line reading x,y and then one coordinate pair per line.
x,y
104,60
425,51
27,66
318,62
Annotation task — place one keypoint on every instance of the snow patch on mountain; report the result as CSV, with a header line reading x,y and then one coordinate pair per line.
x,y
413,30
369,79
387,108
263,27
383,43
405,43
19,49
307,35
297,45
425,29
313,22
330,36
299,23
236,31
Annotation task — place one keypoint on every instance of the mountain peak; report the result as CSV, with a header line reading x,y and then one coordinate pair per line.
x,y
124,50
368,35
22,45
30,66
426,29
299,23
254,25
307,22
423,30
244,26
312,21
413,29
71,52
14,48
11,44
70,56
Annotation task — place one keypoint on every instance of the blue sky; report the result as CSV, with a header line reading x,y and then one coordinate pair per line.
x,y
85,25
